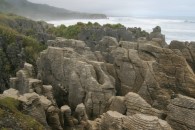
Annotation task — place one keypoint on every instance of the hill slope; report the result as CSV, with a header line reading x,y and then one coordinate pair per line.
x,y
41,11
21,39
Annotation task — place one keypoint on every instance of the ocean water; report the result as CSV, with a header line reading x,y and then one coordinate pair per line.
x,y
182,29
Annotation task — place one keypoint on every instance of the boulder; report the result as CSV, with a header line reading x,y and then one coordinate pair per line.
x,y
187,49
47,91
105,46
137,105
46,103
24,81
181,113
66,116
76,79
117,103
53,118
156,33
112,120
81,112
37,106
31,105
145,122
11,93
155,73
81,115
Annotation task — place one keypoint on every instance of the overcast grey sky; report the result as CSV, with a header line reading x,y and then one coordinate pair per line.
x,y
127,7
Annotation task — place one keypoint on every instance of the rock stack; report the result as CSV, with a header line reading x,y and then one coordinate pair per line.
x,y
138,85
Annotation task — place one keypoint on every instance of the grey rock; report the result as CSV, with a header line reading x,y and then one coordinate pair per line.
x,y
66,115
117,103
76,79
12,93
115,121
181,113
157,34
32,106
187,49
24,81
137,105
53,118
154,73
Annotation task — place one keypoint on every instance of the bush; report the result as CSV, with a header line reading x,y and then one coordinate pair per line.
x,y
71,32
114,26
14,51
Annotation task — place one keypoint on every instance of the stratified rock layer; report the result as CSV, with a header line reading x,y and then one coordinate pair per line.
x,y
125,85
136,105
181,113
144,67
153,72
76,76
115,121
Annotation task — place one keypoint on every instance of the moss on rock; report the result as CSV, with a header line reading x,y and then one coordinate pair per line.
x,y
12,118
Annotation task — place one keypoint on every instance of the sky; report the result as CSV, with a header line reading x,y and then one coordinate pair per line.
x,y
127,7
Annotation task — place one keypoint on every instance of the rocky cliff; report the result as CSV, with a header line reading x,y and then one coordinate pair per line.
x,y
143,84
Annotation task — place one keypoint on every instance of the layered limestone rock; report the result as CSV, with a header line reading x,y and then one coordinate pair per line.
x,y
104,48
79,75
75,77
93,35
125,85
154,72
12,93
132,104
53,118
37,100
117,103
111,120
137,105
24,81
66,115
144,67
32,106
181,113
145,122
156,36
187,49
115,121
39,107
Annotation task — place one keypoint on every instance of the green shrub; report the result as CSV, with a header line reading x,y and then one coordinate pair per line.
x,y
9,108
114,26
71,32
14,44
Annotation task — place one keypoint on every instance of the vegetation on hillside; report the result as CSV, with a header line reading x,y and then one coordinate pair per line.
x,y
71,32
24,25
15,48
42,11
12,118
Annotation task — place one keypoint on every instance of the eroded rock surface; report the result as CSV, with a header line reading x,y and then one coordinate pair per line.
x,y
115,121
127,85
154,72
137,105
181,113
187,49
76,78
